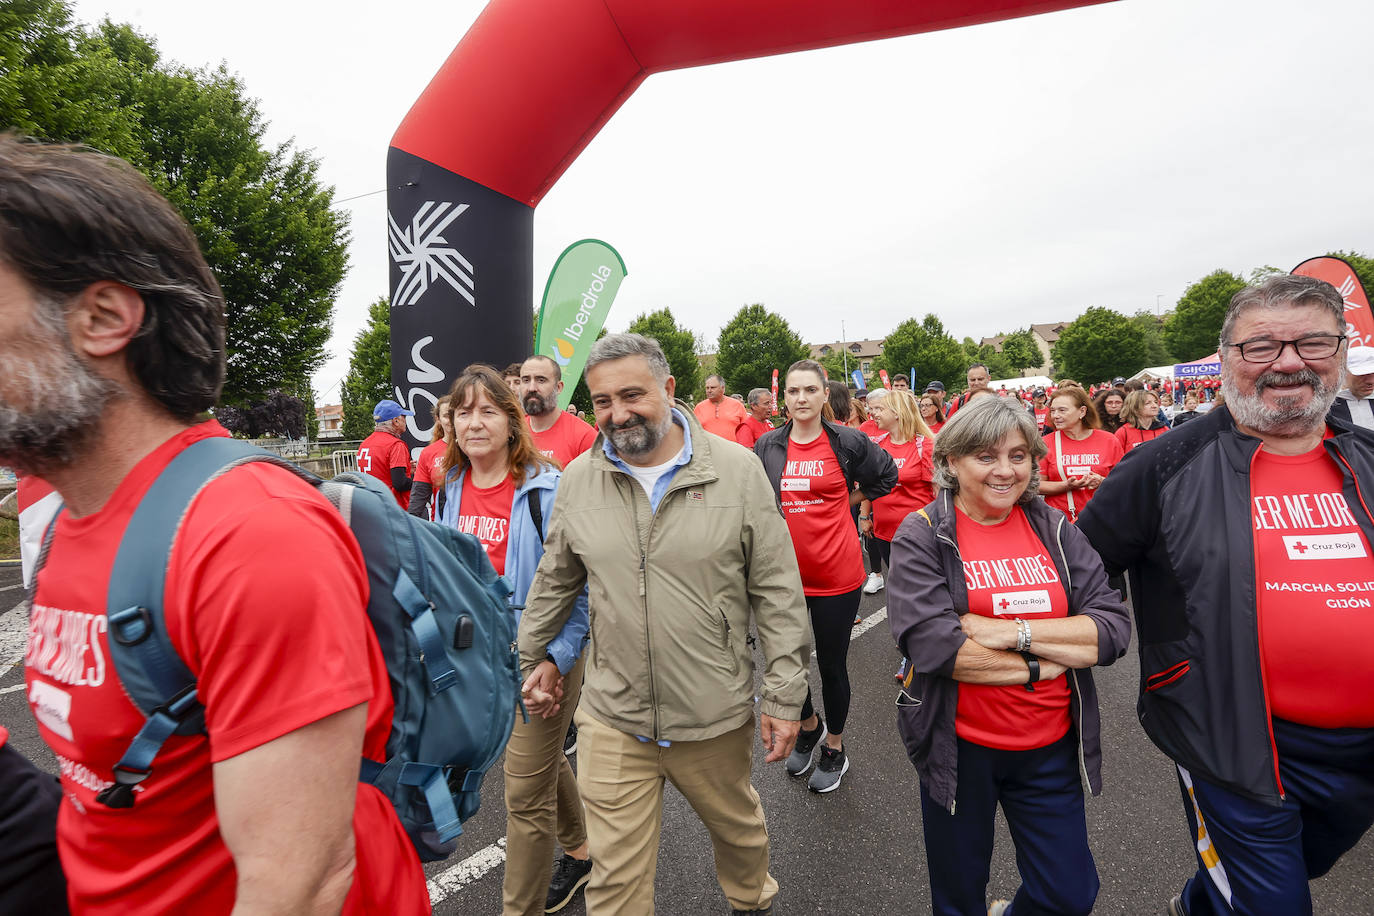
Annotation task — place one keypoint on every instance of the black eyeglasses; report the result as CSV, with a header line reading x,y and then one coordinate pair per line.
x,y
1266,350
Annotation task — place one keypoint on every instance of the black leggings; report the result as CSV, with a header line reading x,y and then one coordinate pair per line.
x,y
879,554
832,617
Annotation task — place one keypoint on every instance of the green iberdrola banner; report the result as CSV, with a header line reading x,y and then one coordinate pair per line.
x,y
581,288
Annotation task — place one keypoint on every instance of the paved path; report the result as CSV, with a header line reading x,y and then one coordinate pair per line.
x,y
857,850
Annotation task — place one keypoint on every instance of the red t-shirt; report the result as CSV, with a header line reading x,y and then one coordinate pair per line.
x,y
485,514
426,468
749,430
915,487
568,437
262,673
1098,453
721,418
1132,436
870,429
1042,415
379,453
815,502
935,427
1315,586
1009,573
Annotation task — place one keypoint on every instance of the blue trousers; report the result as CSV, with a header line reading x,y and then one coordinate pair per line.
x,y
1254,858
1042,798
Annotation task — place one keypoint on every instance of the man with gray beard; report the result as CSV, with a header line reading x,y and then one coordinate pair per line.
x,y
1247,534
681,541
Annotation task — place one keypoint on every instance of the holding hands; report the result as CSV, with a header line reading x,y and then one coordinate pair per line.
x,y
543,690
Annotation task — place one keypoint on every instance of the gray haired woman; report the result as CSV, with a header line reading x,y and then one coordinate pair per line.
x,y
1001,606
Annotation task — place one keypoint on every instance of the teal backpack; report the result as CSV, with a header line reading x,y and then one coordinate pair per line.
x,y
440,613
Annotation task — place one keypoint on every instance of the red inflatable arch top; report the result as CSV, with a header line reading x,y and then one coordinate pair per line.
x,y
523,93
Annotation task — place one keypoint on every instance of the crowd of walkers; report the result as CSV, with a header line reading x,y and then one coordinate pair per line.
x,y
656,560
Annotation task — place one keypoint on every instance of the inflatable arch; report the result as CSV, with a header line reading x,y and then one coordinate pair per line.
x,y
523,93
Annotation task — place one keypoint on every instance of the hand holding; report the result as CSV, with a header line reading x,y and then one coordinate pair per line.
x,y
543,690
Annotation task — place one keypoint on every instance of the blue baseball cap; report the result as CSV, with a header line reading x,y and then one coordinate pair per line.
x,y
389,410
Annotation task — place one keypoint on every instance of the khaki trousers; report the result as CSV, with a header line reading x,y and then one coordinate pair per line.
x,y
622,787
542,802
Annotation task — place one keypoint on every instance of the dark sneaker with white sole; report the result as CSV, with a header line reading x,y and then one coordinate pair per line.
x,y
569,877
799,761
830,769
570,740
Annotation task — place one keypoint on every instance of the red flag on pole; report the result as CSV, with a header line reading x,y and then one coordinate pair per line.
x,y
1342,276
882,373
775,392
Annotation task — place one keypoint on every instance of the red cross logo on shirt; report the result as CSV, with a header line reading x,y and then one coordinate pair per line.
x,y
1300,547
1004,604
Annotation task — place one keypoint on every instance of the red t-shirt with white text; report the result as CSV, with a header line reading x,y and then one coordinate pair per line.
x,y
568,437
1315,585
749,430
815,502
1009,573
428,468
1098,453
378,454
915,485
484,513
275,645
870,429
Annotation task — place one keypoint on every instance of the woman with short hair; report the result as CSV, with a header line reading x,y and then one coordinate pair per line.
x,y
1140,421
1001,606
501,490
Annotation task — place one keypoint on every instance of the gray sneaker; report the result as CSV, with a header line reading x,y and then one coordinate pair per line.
x,y
799,761
830,769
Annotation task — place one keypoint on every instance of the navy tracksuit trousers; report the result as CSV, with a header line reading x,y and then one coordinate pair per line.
x,y
1254,858
1042,798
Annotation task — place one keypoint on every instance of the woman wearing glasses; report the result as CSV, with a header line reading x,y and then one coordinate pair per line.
x,y
1001,606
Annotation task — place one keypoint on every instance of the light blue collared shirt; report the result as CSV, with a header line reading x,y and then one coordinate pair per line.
x,y
660,485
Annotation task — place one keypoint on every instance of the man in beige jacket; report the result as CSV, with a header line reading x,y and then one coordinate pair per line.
x,y
679,538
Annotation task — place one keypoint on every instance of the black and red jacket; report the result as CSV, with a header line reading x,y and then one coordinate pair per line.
x,y
1176,514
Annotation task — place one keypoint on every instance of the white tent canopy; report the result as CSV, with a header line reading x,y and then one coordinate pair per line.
x,y
1154,373
1020,384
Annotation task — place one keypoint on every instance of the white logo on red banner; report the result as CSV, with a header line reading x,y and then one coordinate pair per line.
x,y
1324,546
796,483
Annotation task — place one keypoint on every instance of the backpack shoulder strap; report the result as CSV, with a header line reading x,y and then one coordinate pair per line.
x,y
536,512
149,668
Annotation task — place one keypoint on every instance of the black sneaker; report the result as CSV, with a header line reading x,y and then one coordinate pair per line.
x,y
570,741
799,761
569,876
830,768
762,911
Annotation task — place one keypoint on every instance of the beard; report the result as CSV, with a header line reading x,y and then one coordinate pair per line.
x,y
1289,416
636,437
50,400
536,405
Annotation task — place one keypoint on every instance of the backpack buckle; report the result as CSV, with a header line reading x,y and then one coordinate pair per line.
x,y
131,626
120,793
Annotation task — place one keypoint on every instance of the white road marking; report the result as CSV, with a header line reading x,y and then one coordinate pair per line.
x,y
474,867
452,880
14,636
11,689
10,588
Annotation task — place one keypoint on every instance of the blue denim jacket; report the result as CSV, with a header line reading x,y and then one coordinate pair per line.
x,y
524,549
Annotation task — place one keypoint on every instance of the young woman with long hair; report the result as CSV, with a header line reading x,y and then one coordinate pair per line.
x,y
911,444
819,468
1080,454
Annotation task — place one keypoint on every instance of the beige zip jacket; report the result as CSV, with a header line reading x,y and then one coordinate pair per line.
x,y
673,593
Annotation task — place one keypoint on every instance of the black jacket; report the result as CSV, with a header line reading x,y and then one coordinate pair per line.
x,y
926,594
861,461
1176,513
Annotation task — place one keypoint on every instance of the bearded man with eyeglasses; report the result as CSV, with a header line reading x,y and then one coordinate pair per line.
x,y
1247,536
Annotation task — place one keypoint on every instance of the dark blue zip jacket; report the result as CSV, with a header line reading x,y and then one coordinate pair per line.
x,y
926,594
1176,514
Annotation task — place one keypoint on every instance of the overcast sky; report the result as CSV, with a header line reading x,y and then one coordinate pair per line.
x,y
998,175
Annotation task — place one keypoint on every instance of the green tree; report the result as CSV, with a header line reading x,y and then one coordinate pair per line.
x,y
678,343
988,355
262,219
1020,350
753,344
369,372
1194,328
1156,350
925,346
834,363
1101,344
